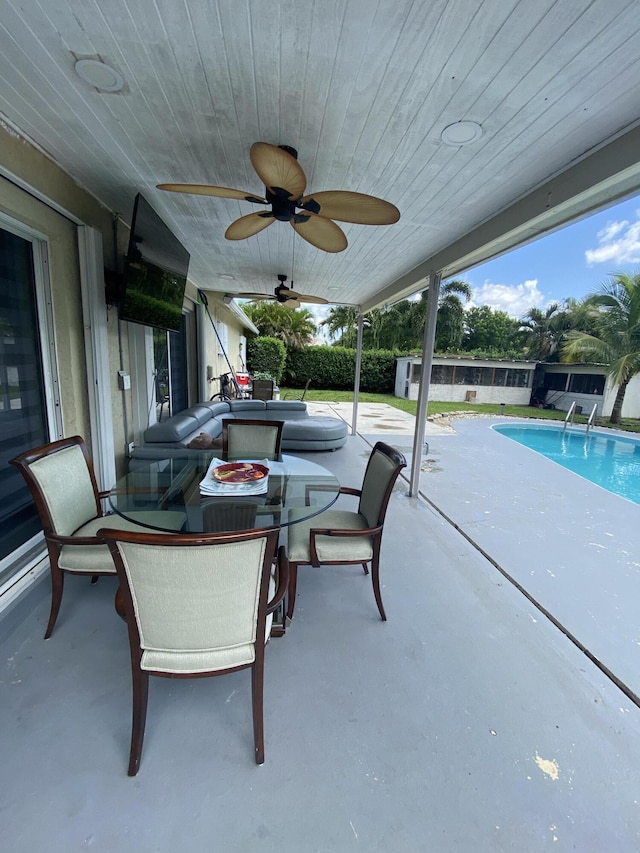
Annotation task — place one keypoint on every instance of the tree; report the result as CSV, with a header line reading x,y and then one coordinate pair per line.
x,y
544,331
295,327
615,339
341,323
495,333
450,320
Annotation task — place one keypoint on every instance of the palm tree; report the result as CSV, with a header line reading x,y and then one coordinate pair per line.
x,y
295,327
615,338
342,319
544,332
450,322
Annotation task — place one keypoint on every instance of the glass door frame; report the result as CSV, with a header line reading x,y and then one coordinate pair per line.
x,y
27,555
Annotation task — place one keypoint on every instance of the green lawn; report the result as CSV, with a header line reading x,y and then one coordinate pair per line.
x,y
410,406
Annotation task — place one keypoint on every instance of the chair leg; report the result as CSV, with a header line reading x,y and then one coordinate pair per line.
x,y
140,696
291,589
366,568
257,698
375,580
57,585
95,578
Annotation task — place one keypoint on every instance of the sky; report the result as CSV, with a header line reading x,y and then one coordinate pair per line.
x,y
571,262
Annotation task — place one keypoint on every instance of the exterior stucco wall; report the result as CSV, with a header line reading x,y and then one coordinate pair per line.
x,y
27,165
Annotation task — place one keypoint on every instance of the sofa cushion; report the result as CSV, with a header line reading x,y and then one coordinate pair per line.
x,y
314,429
201,413
216,407
174,429
248,406
285,409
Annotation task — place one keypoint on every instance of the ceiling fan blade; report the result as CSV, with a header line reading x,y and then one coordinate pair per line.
x,y
291,303
205,189
247,226
276,168
351,207
305,297
321,233
253,296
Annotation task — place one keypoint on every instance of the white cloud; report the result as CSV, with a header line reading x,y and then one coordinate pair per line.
x,y
618,243
514,299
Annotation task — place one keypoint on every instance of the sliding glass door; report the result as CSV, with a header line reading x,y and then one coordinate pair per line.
x,y
24,421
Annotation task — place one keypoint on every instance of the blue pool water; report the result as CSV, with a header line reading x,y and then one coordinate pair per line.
x,y
610,462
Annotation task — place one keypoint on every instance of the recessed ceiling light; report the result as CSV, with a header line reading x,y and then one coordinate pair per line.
x,y
461,133
227,276
99,75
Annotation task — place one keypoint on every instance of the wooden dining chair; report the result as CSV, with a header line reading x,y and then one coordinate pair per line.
x,y
251,438
197,605
340,537
62,482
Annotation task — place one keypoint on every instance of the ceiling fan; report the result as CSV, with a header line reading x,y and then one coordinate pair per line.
x,y
284,295
311,216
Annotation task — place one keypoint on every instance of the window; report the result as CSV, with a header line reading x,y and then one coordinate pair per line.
x,y
555,381
586,383
441,374
416,372
517,378
223,338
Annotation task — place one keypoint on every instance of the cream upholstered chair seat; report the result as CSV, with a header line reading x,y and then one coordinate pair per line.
x,y
63,485
337,536
96,559
330,548
197,605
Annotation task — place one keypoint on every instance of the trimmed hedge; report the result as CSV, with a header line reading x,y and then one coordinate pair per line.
x,y
266,355
334,368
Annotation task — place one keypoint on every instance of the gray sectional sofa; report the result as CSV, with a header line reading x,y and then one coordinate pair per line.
x,y
301,431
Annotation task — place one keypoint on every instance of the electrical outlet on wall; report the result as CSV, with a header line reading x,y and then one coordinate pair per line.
x,y
131,447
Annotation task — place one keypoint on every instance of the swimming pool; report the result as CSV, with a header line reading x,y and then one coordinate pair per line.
x,y
612,462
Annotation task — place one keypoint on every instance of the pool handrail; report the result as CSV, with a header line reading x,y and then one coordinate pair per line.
x,y
592,416
569,416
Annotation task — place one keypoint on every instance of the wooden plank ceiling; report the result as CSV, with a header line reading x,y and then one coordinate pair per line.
x,y
362,89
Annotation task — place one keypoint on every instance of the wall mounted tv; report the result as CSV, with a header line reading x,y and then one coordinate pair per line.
x,y
155,274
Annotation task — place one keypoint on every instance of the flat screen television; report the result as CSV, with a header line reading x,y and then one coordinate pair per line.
x,y
155,273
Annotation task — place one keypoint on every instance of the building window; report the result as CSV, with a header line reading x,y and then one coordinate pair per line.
x,y
442,374
517,378
555,381
586,383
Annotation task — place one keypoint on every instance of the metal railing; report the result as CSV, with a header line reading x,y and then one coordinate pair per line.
x,y
592,416
570,414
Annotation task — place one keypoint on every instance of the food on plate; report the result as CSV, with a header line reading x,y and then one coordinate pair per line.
x,y
240,472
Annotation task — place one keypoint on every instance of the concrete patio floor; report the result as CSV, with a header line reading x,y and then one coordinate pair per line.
x,y
467,722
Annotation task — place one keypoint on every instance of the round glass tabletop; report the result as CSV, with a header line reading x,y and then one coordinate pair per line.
x,y
188,484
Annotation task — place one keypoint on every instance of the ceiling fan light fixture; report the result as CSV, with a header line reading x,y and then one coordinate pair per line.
x,y
461,133
101,76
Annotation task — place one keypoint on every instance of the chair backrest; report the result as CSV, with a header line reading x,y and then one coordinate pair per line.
x,y
231,515
383,467
252,438
262,389
62,483
194,602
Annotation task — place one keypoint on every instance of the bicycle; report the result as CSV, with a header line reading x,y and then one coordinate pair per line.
x,y
229,388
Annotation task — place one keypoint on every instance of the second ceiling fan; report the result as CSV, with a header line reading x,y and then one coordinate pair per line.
x,y
284,295
311,216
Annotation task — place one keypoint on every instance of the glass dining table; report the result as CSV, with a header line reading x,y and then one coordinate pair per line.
x,y
175,485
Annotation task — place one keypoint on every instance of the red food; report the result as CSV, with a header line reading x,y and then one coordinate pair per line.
x,y
240,472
